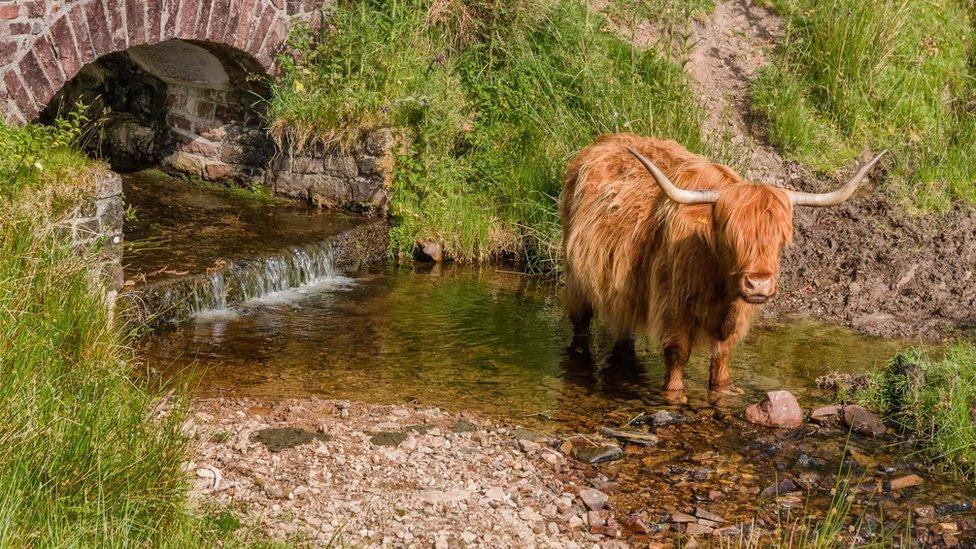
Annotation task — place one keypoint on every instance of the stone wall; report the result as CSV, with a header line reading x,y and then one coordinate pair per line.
x,y
96,225
358,179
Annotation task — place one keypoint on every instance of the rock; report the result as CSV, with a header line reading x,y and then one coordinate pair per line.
x,y
906,481
778,409
784,486
598,454
388,438
444,496
662,418
278,439
631,435
682,518
595,518
636,525
529,446
429,250
924,511
862,421
695,529
495,493
804,460
594,500
826,414
953,508
463,426
468,537
708,515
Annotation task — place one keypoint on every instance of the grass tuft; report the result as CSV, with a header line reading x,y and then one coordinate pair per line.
x,y
933,399
895,74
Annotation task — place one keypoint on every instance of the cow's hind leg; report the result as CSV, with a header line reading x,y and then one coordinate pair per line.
x,y
580,314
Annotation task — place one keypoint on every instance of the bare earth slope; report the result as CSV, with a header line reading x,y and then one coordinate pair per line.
x,y
865,264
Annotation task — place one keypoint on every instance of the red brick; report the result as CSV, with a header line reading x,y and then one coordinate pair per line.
x,y
35,9
219,17
18,91
20,27
9,11
170,12
79,26
240,17
8,50
206,6
64,43
116,23
34,79
188,18
154,14
276,36
245,24
98,27
49,61
135,20
260,27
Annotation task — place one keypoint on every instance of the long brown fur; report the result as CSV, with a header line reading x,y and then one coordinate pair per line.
x,y
646,264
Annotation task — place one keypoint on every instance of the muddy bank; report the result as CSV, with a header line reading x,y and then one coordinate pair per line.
x,y
870,266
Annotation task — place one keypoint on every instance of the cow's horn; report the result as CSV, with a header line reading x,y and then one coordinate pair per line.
x,y
832,199
679,195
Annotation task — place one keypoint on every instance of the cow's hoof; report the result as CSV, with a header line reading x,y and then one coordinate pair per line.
x,y
726,390
675,396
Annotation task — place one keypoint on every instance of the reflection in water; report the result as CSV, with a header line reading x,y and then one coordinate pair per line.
x,y
474,340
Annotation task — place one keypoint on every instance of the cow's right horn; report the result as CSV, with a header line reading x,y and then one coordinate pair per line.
x,y
833,198
679,195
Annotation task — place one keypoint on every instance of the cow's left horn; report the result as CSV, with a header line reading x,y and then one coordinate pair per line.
x,y
840,195
679,195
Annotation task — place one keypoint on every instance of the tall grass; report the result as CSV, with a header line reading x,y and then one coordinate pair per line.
x,y
493,97
82,463
896,74
932,400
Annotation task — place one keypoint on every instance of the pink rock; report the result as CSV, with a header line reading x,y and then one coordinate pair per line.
x,y
778,409
826,414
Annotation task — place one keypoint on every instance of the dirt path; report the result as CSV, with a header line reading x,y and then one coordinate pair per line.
x,y
730,46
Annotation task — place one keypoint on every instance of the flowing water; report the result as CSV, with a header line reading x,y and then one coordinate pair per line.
x,y
487,342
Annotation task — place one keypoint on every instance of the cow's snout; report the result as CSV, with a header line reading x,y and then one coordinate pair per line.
x,y
758,287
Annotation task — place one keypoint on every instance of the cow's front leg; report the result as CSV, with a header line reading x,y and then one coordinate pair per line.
x,y
718,374
676,354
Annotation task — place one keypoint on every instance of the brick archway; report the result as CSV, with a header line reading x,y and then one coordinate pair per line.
x,y
45,43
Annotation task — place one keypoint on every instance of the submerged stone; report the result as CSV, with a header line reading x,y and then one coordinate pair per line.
x,y
598,454
281,438
663,418
631,435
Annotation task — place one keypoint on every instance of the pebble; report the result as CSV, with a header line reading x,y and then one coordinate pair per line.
x,y
906,481
703,513
663,418
696,529
862,421
682,518
594,500
631,435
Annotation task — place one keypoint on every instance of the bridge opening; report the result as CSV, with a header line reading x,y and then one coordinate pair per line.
x,y
194,108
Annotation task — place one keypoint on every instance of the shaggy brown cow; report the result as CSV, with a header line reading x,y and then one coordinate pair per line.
x,y
686,263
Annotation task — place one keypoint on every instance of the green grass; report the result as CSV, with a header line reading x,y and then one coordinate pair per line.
x,y
82,462
492,97
896,74
933,400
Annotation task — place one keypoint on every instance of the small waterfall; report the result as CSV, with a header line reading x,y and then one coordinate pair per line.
x,y
233,283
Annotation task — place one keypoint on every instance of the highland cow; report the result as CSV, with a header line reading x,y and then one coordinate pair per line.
x,y
661,241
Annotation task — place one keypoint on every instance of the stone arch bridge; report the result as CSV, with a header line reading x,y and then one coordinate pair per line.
x,y
44,43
